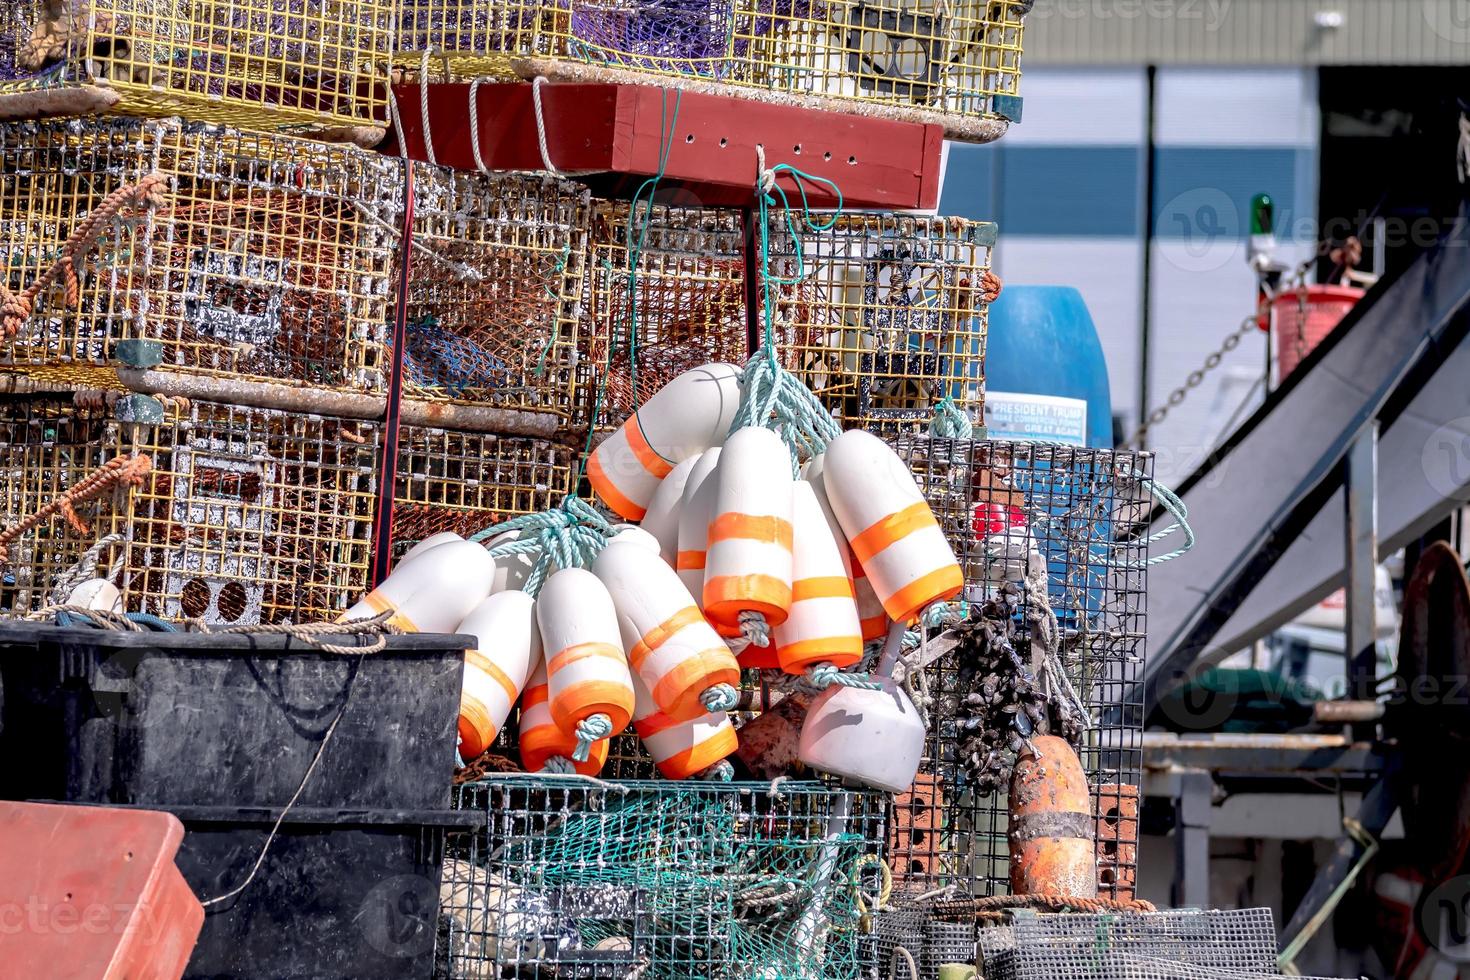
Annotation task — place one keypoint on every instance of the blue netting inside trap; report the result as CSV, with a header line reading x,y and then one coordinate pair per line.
x,y
690,37
436,358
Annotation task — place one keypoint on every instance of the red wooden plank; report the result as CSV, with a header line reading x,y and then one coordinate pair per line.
x,y
624,129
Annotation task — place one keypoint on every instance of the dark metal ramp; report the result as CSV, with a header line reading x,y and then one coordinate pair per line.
x,y
1269,508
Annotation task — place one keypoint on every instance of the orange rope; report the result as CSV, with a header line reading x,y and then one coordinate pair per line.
x,y
990,286
994,908
123,471
16,309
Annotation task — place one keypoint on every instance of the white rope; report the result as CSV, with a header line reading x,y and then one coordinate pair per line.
x,y
551,168
765,180
424,106
475,125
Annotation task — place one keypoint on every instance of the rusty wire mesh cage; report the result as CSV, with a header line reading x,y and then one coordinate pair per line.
x,y
956,63
495,291
1072,514
468,481
263,259
883,315
245,516
270,65
683,306
658,879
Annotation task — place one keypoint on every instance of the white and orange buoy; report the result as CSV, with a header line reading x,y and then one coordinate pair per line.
x,y
696,510
541,740
434,592
677,654
888,523
428,544
681,749
871,617
748,562
497,669
662,518
822,627
587,669
638,536
688,415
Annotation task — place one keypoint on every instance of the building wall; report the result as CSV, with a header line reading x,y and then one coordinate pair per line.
x,y
1068,187
1248,32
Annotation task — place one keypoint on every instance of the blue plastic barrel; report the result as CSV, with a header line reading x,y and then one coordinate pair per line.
x,y
1045,375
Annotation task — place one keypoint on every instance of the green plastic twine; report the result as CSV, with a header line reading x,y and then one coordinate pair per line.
x,y
768,189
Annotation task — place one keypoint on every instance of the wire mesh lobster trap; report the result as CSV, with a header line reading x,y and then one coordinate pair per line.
x,y
1176,945
497,277
957,63
659,880
883,316
1069,516
254,258
467,481
239,516
680,305
261,64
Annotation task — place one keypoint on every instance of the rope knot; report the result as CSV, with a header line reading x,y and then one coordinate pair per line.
x,y
720,697
593,728
826,675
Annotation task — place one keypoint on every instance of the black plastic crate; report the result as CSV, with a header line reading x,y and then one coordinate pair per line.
x,y
186,719
341,894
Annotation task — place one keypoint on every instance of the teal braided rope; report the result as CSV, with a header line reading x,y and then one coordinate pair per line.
x,y
949,422
720,697
775,398
938,615
569,536
560,765
720,772
1176,508
826,675
593,728
767,190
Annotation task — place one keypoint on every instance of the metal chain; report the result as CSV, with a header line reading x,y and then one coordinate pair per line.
x,y
1194,379
1247,326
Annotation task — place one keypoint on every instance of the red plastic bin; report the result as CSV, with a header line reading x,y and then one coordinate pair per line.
x,y
1324,308
93,892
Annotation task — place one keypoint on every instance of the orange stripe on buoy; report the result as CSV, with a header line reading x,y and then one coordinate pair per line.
x,y
687,673
822,587
654,723
698,758
379,604
751,527
894,527
909,601
825,647
646,455
589,697
604,487
536,695
875,627
660,634
686,561
762,593
582,651
476,659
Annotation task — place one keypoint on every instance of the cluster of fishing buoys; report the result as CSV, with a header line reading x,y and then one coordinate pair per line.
x,y
734,553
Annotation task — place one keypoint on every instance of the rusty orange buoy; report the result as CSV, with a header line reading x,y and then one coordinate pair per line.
x,y
1051,826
